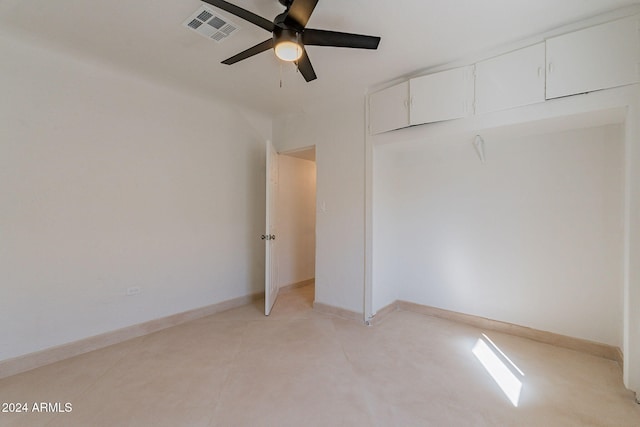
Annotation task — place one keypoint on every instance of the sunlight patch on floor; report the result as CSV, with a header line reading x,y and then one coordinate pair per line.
x,y
500,367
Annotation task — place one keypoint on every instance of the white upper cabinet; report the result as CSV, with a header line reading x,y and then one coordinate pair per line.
x,y
599,57
511,80
389,108
441,96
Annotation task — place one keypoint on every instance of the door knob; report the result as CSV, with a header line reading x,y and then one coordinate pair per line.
x,y
263,237
272,237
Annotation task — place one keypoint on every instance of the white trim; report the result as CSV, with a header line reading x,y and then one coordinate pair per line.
x,y
57,353
605,351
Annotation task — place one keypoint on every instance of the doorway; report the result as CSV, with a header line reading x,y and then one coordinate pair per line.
x,y
296,221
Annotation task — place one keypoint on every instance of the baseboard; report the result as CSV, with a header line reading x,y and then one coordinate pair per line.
x,y
585,346
47,356
337,311
383,313
297,285
50,355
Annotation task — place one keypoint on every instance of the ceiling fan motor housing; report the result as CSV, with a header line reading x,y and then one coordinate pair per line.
x,y
286,34
286,3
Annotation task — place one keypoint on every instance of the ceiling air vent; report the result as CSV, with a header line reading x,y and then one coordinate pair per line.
x,y
207,23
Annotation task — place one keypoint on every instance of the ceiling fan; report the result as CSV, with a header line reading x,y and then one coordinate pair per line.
x,y
290,35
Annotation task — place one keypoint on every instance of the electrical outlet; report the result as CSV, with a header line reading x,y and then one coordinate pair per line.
x,y
134,290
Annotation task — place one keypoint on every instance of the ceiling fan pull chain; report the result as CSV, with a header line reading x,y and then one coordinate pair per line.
x,y
299,44
280,75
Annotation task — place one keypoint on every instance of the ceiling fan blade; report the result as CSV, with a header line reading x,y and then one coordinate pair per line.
x,y
311,37
242,13
305,67
259,48
299,12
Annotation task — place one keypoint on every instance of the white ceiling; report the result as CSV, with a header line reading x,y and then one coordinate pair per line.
x,y
146,36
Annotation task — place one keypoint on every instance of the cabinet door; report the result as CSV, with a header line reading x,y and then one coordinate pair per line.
x,y
595,58
389,108
441,96
511,80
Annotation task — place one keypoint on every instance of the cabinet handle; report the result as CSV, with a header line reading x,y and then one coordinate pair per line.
x,y
539,72
550,67
406,103
411,101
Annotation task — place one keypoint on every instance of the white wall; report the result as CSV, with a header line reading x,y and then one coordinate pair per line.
x,y
337,132
296,220
109,181
385,264
631,349
533,237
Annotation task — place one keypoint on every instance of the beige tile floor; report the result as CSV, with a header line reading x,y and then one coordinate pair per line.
x,y
301,368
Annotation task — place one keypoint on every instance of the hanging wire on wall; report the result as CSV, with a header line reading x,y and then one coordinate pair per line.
x,y
478,143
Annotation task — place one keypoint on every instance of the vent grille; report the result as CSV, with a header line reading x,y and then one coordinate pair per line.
x,y
205,15
218,28
194,24
216,22
228,29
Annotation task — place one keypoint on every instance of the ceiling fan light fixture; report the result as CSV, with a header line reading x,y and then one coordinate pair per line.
x,y
287,44
288,51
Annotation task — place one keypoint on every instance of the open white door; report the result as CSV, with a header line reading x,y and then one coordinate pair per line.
x,y
271,265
